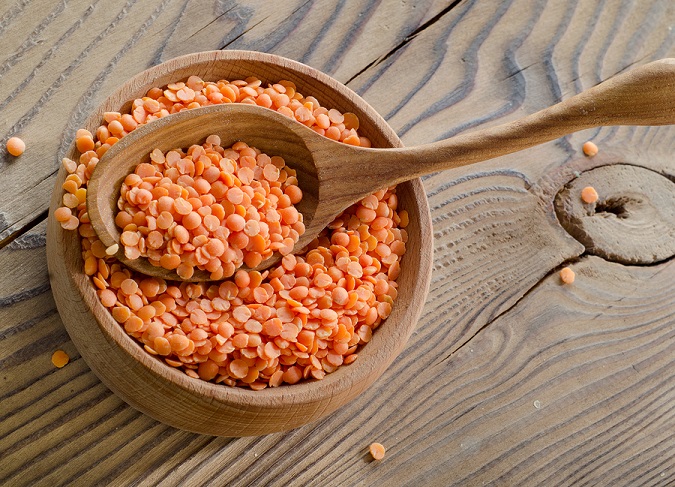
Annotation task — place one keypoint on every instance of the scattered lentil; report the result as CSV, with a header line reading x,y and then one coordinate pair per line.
x,y
567,275
16,146
589,195
299,320
60,358
377,451
590,149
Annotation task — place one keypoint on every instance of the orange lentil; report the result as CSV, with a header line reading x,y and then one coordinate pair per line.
x,y
121,313
590,149
69,165
376,451
567,275
403,215
294,193
299,320
62,214
162,346
85,143
238,369
16,146
350,359
60,359
108,298
589,195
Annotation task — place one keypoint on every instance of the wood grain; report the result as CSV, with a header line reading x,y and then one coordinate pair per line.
x,y
498,333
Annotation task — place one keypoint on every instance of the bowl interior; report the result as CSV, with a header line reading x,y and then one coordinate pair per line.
x,y
388,340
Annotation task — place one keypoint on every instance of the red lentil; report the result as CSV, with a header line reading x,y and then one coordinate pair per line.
x,y
16,146
297,321
590,149
377,451
589,195
60,359
567,275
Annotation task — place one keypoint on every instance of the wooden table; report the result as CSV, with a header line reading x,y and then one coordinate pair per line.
x,y
511,377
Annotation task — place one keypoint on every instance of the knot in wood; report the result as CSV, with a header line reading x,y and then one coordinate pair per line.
x,y
633,220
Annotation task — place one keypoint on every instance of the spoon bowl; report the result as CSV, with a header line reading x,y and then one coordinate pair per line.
x,y
335,175
232,123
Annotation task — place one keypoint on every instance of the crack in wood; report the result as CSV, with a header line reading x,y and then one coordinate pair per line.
x,y
518,71
224,46
23,326
29,240
406,40
270,41
214,20
24,295
157,58
25,228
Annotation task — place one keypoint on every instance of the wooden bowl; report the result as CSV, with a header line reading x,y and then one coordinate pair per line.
x,y
169,395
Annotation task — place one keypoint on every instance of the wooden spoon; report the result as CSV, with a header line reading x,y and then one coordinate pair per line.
x,y
333,175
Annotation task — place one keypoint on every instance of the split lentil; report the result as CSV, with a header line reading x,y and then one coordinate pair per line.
x,y
567,275
16,146
300,320
60,359
589,195
377,451
590,149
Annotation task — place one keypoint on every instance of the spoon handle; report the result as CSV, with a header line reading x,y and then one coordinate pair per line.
x,y
641,96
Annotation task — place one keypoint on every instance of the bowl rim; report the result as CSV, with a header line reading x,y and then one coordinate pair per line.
x,y
342,380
